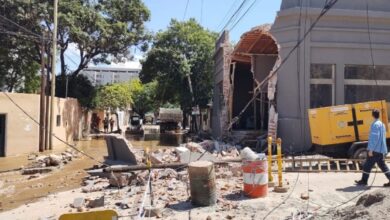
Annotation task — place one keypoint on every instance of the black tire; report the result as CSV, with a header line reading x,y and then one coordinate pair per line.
x,y
360,153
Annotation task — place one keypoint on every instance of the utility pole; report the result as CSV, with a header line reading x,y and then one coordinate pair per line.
x,y
53,73
42,110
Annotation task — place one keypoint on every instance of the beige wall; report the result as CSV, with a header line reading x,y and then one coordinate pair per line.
x,y
22,133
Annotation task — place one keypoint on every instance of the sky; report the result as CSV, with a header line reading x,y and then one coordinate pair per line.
x,y
215,13
214,16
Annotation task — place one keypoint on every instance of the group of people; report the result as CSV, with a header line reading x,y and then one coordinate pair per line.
x,y
108,124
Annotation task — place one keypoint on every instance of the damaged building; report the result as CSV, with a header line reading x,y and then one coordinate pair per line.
x,y
343,60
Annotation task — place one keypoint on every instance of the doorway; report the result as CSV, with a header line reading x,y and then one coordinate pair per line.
x,y
2,134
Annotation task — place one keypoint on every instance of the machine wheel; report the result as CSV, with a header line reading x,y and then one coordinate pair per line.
x,y
360,153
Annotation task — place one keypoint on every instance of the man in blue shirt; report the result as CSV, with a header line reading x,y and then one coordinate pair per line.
x,y
377,150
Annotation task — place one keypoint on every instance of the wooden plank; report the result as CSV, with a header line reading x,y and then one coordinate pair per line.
x,y
310,164
328,163
347,164
338,165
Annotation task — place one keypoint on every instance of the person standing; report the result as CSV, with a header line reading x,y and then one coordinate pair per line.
x,y
105,124
112,124
377,150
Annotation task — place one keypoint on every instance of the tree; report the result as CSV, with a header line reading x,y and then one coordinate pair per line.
x,y
101,30
144,97
113,97
183,51
79,87
18,69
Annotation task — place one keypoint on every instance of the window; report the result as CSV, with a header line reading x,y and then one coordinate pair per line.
x,y
322,85
58,120
366,83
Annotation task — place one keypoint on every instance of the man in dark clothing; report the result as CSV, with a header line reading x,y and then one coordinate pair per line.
x,y
105,124
112,124
377,150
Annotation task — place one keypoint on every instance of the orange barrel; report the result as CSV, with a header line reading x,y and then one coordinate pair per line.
x,y
255,178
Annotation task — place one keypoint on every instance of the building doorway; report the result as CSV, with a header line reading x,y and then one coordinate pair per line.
x,y
2,134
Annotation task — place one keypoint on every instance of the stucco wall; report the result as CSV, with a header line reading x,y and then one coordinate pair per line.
x,y
22,134
340,38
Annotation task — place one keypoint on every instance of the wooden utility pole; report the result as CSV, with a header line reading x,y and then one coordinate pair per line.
x,y
42,107
53,73
47,93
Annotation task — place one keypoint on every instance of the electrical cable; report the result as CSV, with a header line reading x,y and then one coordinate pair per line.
x,y
288,196
234,15
227,14
185,10
201,11
257,89
243,15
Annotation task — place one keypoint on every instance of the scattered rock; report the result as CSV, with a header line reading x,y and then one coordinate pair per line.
x,y
305,196
153,212
55,160
96,203
30,171
78,202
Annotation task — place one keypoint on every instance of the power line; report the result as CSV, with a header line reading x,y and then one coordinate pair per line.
x,y
201,11
185,10
243,15
234,14
227,13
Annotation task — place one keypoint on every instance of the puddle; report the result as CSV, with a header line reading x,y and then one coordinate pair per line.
x,y
156,141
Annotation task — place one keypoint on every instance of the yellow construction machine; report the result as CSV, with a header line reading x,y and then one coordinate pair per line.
x,y
343,130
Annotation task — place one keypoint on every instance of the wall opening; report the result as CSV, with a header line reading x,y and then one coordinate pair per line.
x,y
2,134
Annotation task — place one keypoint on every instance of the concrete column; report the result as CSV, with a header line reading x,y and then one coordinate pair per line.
x,y
339,84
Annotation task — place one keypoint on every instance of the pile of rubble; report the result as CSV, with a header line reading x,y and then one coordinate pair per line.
x,y
206,150
375,205
46,163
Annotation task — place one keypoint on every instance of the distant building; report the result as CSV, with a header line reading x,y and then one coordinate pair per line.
x,y
115,73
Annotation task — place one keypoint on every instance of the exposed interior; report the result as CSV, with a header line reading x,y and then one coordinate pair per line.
x,y
253,59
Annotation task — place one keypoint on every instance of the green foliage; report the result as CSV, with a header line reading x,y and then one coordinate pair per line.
x,y
185,48
101,30
18,68
112,97
78,87
144,97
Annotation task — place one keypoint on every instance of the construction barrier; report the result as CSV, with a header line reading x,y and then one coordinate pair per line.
x,y
255,178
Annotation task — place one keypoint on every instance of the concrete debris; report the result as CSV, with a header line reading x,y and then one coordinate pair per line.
x,y
153,212
78,202
305,196
42,163
95,203
30,171
94,184
248,155
32,156
121,180
370,206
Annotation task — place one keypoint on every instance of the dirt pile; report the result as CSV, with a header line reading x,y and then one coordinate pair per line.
x,y
375,206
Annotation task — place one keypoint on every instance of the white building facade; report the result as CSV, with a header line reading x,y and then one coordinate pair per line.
x,y
103,75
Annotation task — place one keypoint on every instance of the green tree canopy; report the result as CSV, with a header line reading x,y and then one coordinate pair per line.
x,y
144,97
185,48
113,97
100,30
